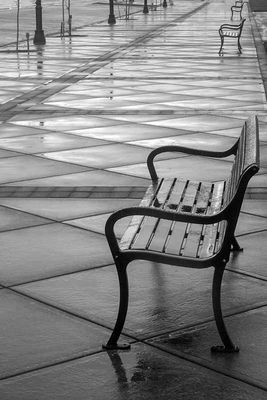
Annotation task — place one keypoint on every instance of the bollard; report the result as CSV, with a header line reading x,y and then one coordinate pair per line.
x,y
28,41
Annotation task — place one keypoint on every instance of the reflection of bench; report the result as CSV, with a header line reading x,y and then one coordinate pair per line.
x,y
232,31
237,8
186,223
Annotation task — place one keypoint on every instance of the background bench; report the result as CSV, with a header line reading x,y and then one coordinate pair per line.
x,y
237,8
186,223
233,31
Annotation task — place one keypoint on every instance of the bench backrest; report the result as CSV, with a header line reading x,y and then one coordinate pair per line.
x,y
246,163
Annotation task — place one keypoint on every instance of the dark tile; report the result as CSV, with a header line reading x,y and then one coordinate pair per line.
x,y
28,167
162,297
49,250
67,209
248,330
142,373
253,258
34,335
14,219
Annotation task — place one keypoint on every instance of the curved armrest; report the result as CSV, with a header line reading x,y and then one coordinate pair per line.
x,y
186,150
236,7
156,213
232,26
229,26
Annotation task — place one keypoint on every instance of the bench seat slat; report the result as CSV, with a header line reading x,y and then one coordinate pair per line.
x,y
144,235
192,241
160,236
136,220
189,197
217,197
176,194
175,240
163,193
203,198
208,246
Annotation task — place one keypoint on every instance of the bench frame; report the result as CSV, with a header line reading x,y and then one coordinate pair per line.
x,y
229,213
237,8
232,31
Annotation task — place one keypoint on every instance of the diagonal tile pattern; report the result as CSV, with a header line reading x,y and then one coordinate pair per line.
x,y
78,118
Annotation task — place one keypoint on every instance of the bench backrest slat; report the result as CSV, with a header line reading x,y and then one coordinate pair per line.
x,y
246,158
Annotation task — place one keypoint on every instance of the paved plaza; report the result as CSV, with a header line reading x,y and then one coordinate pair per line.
x,y
78,118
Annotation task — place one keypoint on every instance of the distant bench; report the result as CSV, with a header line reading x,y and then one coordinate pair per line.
x,y
233,31
237,8
186,223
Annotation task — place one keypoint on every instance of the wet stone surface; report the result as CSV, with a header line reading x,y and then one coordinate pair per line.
x,y
78,118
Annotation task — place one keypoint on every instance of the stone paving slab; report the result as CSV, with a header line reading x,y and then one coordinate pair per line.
x,y
249,332
144,372
163,298
77,118
34,335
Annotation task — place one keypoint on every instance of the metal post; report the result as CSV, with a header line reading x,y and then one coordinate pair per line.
x,y
145,9
111,18
63,19
17,41
69,18
39,37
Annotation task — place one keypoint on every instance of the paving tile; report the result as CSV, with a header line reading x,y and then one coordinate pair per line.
x,y
97,223
248,330
199,141
254,260
162,297
7,153
88,178
14,219
28,167
255,207
49,250
47,142
198,168
250,223
142,373
65,123
108,156
67,209
127,132
200,123
34,335
12,130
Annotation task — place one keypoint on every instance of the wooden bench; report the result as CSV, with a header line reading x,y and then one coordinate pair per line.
x,y
186,223
237,8
232,31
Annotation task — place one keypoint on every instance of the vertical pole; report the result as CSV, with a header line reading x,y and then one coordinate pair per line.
x,y
145,9
63,18
111,18
39,37
18,9
164,4
70,18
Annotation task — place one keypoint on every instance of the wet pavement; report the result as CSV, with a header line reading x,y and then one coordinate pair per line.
x,y
78,118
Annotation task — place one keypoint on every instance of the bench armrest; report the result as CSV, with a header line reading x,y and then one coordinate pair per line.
x,y
233,27
157,213
186,150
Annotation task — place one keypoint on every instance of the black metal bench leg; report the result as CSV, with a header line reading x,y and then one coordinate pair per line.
x,y
222,41
228,346
235,245
239,45
112,343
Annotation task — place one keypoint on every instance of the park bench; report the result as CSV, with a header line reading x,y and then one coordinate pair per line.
x,y
232,31
237,8
186,223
